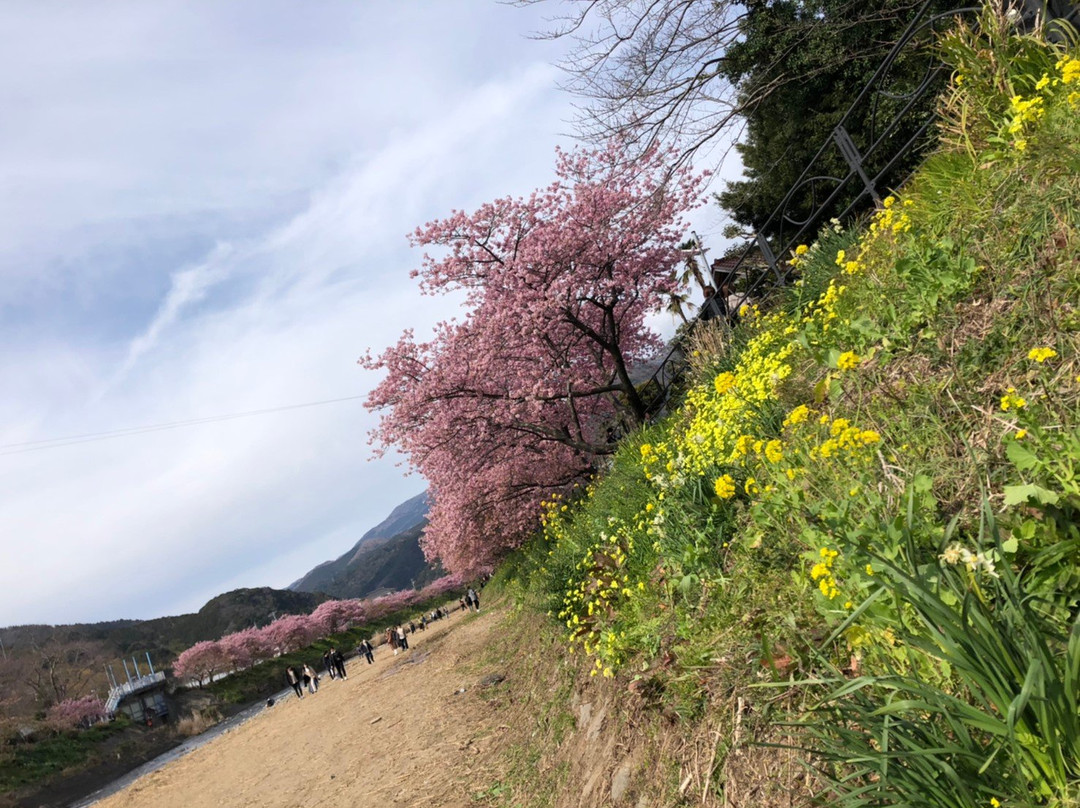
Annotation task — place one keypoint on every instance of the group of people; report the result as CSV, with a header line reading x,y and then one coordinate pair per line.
x,y
471,600
397,637
306,676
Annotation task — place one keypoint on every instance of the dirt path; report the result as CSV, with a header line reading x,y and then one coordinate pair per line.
x,y
398,732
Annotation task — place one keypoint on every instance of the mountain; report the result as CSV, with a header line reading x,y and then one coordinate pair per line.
x,y
221,615
386,558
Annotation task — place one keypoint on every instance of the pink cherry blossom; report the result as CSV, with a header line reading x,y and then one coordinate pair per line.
x,y
72,713
201,661
516,401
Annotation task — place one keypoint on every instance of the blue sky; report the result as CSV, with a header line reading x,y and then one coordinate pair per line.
x,y
204,211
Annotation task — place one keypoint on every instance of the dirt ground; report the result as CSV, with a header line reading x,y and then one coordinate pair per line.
x,y
405,731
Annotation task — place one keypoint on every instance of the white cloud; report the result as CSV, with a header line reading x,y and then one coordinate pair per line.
x,y
207,215
268,315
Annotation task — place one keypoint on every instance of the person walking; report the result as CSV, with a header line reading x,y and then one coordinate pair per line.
x,y
293,679
365,650
338,662
473,598
328,663
311,679
391,639
403,641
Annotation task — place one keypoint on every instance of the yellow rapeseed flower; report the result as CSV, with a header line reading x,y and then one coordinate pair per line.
x,y
797,415
1041,354
774,451
725,487
724,382
1070,70
849,360
1011,401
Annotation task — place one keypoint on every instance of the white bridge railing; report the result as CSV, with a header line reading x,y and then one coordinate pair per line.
x,y
127,688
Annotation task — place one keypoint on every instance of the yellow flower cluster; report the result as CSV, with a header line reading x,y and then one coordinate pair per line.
x,y
1024,111
725,487
889,218
844,439
849,360
724,414
797,416
824,310
822,572
1011,401
774,451
1041,354
724,382
1070,70
797,256
601,584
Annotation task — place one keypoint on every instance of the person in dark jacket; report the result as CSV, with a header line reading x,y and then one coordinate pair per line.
x,y
339,663
365,650
293,678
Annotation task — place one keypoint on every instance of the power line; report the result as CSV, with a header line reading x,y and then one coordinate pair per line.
x,y
70,440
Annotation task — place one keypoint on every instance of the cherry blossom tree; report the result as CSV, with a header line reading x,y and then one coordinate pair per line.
x,y
244,648
439,587
291,632
517,400
201,661
388,604
71,713
333,616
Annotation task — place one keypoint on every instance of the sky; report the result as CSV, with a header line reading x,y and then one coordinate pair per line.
x,y
203,212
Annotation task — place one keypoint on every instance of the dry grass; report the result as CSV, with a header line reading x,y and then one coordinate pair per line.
x,y
568,740
199,721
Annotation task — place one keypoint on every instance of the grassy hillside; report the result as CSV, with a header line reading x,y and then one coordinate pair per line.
x,y
858,534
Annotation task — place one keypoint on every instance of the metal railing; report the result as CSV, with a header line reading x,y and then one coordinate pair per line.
x,y
117,694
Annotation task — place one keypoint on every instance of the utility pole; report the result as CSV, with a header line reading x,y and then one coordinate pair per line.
x,y
704,258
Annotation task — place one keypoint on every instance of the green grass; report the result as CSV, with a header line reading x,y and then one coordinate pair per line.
x,y
697,595
30,763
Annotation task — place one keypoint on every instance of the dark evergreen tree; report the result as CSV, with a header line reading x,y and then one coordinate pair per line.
x,y
798,66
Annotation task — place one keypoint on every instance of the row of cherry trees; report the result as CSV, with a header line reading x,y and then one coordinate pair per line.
x,y
242,649
519,399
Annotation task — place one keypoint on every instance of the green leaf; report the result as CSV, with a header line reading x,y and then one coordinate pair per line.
x,y
1019,494
836,390
1021,456
1010,545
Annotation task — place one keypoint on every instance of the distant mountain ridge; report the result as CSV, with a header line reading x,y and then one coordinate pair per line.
x,y
167,636
386,558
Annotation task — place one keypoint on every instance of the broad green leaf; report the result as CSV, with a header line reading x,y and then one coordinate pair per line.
x,y
1019,494
1021,456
